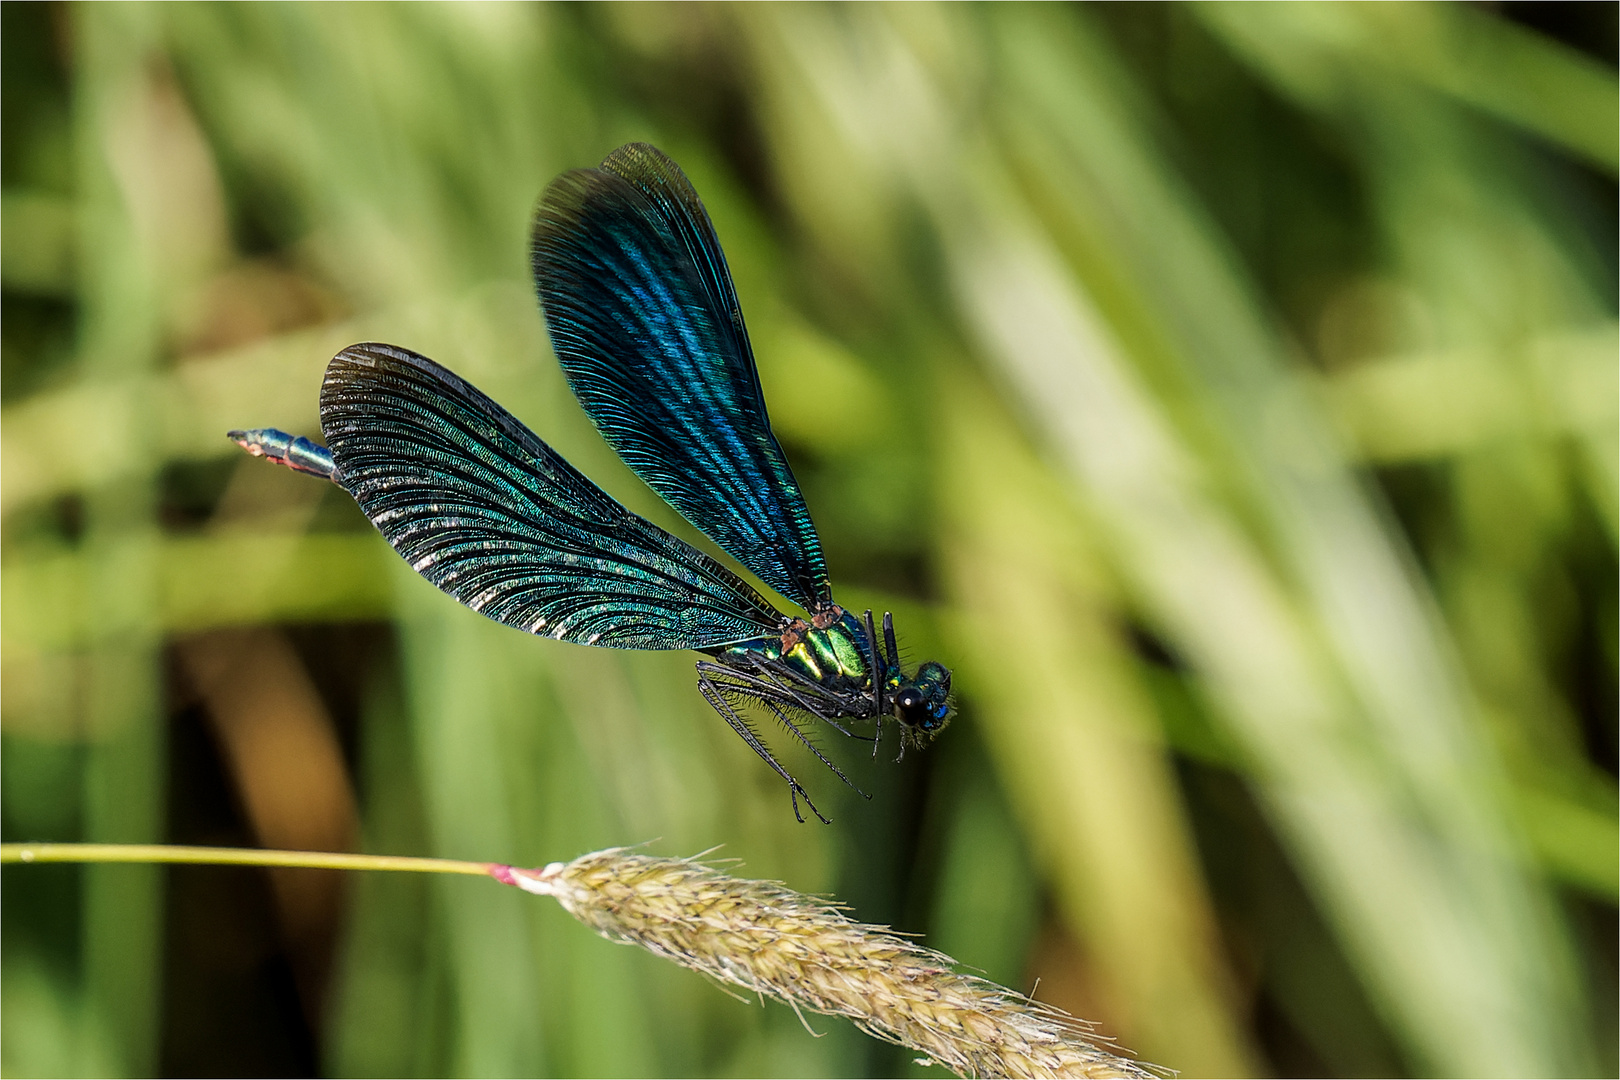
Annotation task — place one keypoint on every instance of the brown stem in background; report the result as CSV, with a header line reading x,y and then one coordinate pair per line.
x,y
283,755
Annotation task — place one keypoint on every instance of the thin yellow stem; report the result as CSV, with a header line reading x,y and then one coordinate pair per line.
x,y
165,853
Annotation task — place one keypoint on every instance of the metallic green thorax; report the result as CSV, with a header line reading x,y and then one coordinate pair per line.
x,y
837,658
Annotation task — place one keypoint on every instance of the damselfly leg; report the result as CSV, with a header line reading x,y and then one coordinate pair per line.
x,y
715,695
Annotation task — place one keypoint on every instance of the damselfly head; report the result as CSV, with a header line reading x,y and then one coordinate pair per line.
x,y
922,703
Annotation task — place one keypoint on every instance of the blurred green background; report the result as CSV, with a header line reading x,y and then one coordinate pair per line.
x,y
1228,393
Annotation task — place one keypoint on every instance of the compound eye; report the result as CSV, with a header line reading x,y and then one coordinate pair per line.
x,y
910,706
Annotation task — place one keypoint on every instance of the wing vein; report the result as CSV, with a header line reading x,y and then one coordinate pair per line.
x,y
482,508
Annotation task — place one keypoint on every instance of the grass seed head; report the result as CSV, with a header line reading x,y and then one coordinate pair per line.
x,y
805,951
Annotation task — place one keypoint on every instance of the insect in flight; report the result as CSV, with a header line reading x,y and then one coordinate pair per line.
x,y
645,322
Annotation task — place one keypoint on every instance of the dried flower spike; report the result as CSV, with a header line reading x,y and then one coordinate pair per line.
x,y
806,952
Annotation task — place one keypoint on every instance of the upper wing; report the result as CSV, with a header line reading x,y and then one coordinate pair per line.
x,y
645,322
493,516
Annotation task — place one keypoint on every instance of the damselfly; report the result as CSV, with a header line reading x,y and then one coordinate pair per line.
x,y
645,322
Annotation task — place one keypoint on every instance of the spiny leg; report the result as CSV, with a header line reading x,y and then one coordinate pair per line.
x,y
840,728
800,735
748,681
894,658
777,688
770,694
880,672
713,694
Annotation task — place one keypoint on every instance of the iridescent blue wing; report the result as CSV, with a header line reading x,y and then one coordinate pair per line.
x,y
645,322
493,516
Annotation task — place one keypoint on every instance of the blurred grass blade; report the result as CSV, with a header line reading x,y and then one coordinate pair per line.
x,y
453,692
1076,743
54,603
131,141
1339,691
1429,800
1318,50
1429,405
